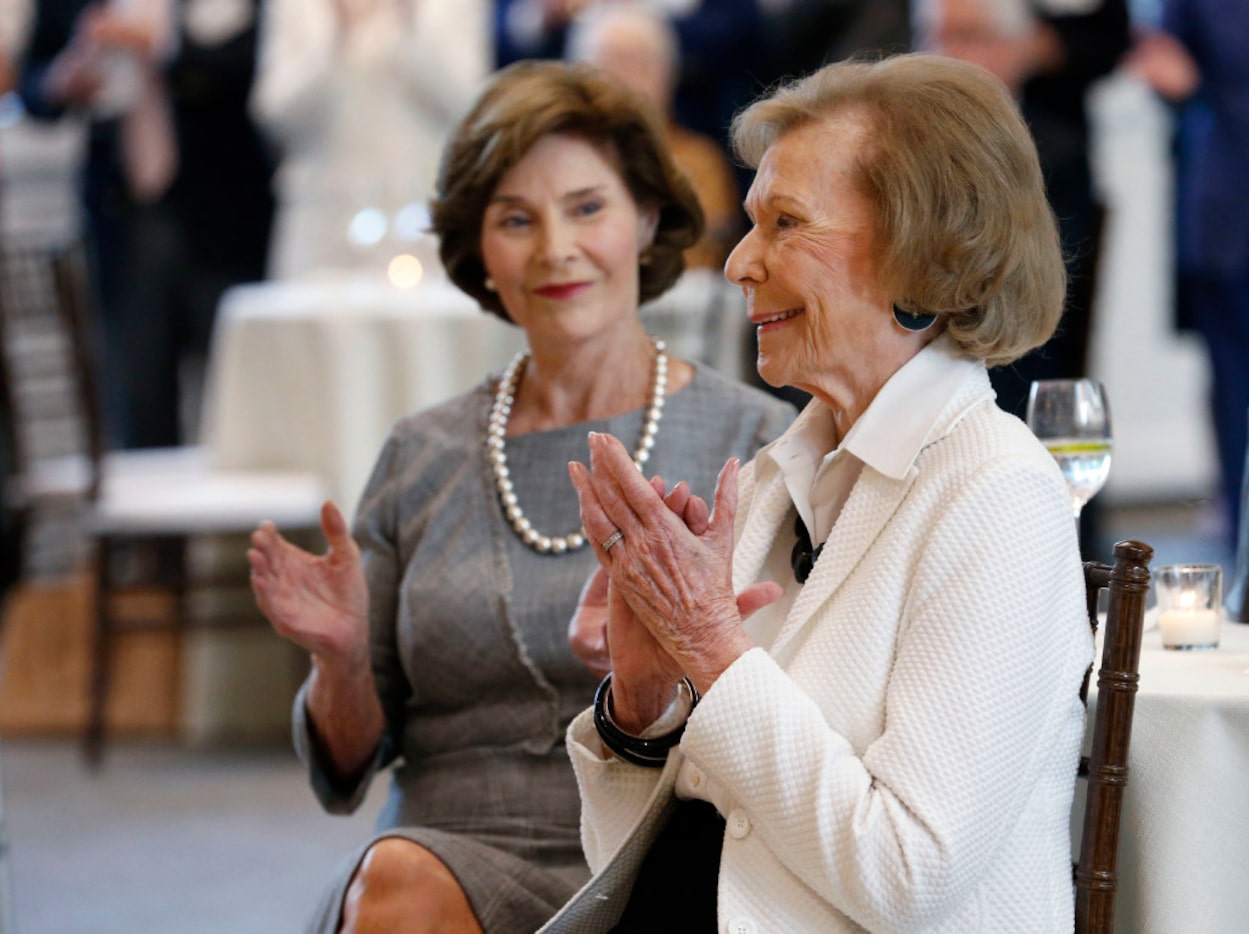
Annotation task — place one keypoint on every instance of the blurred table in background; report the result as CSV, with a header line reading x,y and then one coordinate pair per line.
x,y
1184,831
311,375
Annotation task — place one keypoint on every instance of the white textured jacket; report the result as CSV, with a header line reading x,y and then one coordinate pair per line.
x,y
902,756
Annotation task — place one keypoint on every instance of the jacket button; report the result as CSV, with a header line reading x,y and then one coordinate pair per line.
x,y
741,926
739,824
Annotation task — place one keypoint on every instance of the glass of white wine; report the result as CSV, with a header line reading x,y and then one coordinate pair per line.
x,y
1071,417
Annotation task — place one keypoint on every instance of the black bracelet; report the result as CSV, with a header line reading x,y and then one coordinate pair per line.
x,y
649,753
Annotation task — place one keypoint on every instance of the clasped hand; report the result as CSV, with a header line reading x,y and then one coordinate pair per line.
x,y
666,588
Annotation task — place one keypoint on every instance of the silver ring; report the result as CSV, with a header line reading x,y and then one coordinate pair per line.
x,y
612,540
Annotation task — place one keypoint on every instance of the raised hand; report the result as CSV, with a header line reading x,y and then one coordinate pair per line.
x,y
104,28
319,602
1164,63
73,79
678,585
588,630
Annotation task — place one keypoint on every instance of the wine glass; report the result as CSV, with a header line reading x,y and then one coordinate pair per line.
x,y
1071,417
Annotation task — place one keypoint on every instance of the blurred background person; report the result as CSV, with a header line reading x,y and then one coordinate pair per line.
x,y
210,226
805,34
722,61
359,96
1196,59
1048,54
438,629
533,28
14,22
176,184
73,67
1048,61
639,48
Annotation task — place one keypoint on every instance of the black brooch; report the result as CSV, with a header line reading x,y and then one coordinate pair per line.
x,y
802,559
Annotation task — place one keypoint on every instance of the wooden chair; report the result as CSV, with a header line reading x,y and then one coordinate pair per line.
x,y
1106,765
13,512
1237,592
12,536
134,504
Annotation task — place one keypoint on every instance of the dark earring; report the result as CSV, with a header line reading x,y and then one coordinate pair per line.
x,y
912,320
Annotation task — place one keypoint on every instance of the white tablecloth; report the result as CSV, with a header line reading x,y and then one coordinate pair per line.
x,y
1184,833
311,376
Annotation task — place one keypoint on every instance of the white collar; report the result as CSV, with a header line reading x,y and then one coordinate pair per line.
x,y
887,437
897,424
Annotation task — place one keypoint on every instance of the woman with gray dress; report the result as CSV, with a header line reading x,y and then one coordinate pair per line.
x,y
437,624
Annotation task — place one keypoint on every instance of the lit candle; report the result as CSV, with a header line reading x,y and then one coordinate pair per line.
x,y
1188,627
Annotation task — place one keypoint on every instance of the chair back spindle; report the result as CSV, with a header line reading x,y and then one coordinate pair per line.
x,y
1106,766
1237,597
71,280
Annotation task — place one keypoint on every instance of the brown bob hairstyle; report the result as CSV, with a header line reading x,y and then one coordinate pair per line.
x,y
530,100
962,221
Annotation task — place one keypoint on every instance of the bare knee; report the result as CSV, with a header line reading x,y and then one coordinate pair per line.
x,y
402,887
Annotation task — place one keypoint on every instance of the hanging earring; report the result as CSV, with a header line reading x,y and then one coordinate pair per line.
x,y
489,284
912,320
645,257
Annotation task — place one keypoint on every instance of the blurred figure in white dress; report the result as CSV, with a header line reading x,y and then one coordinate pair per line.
x,y
359,97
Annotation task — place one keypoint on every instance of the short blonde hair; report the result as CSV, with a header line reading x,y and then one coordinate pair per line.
x,y
963,222
532,99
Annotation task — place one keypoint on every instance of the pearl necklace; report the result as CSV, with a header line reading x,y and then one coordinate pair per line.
x,y
496,442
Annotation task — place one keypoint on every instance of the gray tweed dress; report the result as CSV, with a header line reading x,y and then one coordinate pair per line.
x,y
469,639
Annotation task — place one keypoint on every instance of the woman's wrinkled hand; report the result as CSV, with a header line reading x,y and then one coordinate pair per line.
x,y
318,602
677,584
588,631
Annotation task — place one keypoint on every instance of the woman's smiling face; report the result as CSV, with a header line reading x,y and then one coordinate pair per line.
x,y
809,265
561,238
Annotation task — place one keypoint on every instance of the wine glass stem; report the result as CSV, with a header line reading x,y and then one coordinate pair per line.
x,y
1076,506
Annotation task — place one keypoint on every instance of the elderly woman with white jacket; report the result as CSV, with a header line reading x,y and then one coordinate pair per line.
x,y
848,698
